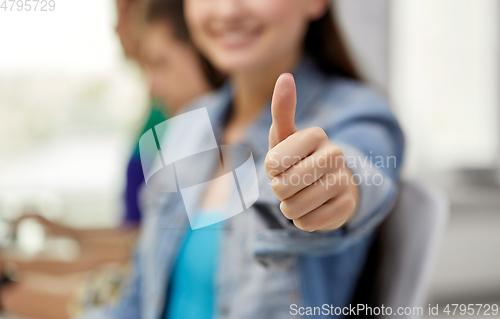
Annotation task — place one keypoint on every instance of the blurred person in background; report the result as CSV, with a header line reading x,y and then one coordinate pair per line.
x,y
128,28
153,35
302,244
169,62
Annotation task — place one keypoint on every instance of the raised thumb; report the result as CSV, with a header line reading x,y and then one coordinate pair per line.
x,y
283,109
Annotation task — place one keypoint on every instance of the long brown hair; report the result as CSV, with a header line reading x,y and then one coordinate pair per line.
x,y
172,13
325,44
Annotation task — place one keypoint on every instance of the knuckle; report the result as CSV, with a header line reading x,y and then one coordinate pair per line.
x,y
352,201
351,205
293,209
337,224
287,210
272,168
304,224
269,162
335,152
316,133
348,204
278,188
337,221
344,178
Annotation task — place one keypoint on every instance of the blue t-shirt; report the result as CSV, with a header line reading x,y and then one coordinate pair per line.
x,y
191,288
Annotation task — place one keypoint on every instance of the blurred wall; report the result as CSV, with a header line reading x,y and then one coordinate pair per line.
x,y
366,27
445,82
69,108
439,62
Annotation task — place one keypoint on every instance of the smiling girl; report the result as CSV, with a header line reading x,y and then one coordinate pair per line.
x,y
306,239
295,99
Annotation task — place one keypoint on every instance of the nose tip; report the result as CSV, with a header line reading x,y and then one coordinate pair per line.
x,y
230,9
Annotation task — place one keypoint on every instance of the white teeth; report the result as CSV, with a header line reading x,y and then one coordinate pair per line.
x,y
236,36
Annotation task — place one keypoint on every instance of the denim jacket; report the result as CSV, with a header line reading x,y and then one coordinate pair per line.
x,y
269,268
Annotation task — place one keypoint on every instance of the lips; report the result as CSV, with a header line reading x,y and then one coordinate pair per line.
x,y
236,38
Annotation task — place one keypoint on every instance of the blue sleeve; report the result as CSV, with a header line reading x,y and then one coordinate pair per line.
x,y
373,153
373,145
134,181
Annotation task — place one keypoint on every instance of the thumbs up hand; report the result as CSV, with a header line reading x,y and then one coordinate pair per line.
x,y
308,173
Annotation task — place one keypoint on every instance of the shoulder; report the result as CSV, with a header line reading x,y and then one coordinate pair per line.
x,y
341,101
318,92
352,95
